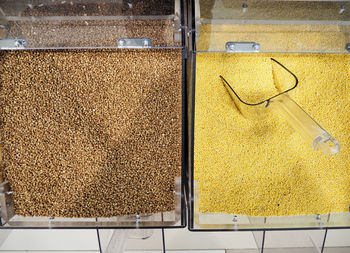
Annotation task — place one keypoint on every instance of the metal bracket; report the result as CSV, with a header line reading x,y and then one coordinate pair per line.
x,y
13,43
177,21
347,47
6,203
242,47
134,43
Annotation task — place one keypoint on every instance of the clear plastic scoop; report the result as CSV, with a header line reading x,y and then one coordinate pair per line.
x,y
314,134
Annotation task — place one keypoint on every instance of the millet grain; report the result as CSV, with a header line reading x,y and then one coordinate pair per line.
x,y
263,167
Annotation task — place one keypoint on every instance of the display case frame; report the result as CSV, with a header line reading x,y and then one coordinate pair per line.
x,y
172,219
201,222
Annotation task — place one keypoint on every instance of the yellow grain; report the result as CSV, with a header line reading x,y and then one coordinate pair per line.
x,y
274,38
263,167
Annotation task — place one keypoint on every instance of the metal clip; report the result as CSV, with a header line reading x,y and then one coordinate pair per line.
x,y
6,204
242,47
13,43
134,43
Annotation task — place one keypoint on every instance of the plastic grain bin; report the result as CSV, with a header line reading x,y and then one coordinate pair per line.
x,y
93,114
258,174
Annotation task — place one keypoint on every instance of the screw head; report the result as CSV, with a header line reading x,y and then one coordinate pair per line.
x,y
145,43
18,43
256,47
121,42
235,218
347,47
232,47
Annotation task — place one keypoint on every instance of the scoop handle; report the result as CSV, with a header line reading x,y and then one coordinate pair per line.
x,y
306,126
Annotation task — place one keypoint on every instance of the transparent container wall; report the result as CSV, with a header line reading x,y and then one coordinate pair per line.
x,y
275,26
176,218
94,23
51,24
220,221
224,221
253,27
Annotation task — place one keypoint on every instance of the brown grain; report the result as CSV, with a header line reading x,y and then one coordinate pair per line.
x,y
92,33
91,133
71,8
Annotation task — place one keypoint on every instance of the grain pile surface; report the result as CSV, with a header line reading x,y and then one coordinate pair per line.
x,y
88,8
92,24
272,38
270,10
263,167
120,8
92,33
91,133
